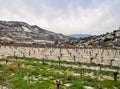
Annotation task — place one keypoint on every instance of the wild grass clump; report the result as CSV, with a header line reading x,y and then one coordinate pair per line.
x,y
76,85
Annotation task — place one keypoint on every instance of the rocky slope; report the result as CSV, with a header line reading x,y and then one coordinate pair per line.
x,y
105,40
21,32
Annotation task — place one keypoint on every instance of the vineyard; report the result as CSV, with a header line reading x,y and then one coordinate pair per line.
x,y
59,68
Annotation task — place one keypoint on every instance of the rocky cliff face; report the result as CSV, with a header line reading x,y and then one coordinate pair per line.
x,y
25,33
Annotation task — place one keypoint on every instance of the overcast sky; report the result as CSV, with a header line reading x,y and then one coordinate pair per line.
x,y
65,16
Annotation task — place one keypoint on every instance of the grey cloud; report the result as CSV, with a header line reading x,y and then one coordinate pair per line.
x,y
65,16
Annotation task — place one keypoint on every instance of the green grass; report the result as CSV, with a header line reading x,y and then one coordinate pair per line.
x,y
76,85
46,75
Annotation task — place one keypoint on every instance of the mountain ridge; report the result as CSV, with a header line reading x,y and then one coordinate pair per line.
x,y
23,32
79,35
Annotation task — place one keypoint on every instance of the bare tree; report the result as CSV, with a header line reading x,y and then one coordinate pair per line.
x,y
59,60
50,52
58,84
28,78
100,67
102,52
43,61
18,65
79,64
14,53
91,59
6,61
101,59
111,61
74,58
29,53
82,72
99,86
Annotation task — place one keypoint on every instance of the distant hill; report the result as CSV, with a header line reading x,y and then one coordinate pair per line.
x,y
109,39
79,35
21,32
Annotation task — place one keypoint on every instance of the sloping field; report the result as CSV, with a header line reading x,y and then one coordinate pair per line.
x,y
54,68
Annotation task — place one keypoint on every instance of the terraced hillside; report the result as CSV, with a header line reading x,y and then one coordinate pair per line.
x,y
87,55
57,68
